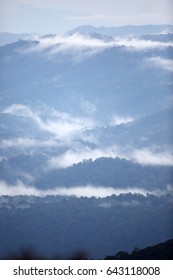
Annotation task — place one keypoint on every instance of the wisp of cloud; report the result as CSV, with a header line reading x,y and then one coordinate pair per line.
x,y
79,191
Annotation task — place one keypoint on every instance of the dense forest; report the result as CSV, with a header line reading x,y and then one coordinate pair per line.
x,y
111,172
114,172
98,227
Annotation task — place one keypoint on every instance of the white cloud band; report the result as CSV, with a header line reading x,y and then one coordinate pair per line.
x,y
166,64
79,191
91,45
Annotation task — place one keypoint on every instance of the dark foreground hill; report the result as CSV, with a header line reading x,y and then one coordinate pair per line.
x,y
161,251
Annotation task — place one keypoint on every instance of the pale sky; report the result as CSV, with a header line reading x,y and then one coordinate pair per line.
x,y
58,16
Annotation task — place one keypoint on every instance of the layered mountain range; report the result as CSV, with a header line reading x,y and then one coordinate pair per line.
x,y
86,141
86,96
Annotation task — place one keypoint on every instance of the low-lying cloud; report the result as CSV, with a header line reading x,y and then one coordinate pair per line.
x,y
78,46
84,45
166,64
74,40
26,142
60,124
144,156
117,120
86,191
141,44
65,129
79,154
148,157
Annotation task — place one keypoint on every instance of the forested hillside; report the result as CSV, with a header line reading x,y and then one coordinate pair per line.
x,y
62,226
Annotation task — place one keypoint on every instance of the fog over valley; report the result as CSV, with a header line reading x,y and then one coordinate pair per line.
x,y
86,140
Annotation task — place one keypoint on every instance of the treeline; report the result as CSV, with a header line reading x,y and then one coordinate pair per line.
x,y
97,227
114,172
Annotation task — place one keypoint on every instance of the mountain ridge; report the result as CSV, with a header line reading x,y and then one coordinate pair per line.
x,y
124,30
